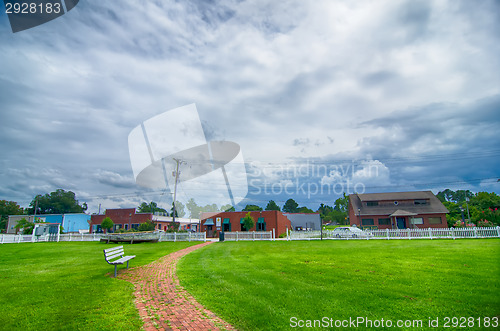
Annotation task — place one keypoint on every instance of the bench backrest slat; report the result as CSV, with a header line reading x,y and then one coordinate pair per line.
x,y
113,249
114,252
110,257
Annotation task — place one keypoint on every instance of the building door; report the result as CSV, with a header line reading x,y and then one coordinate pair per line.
x,y
401,223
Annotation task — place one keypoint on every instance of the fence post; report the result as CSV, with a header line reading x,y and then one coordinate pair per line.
x,y
253,236
175,236
274,235
498,231
288,238
70,236
2,238
204,236
430,233
475,233
453,233
236,235
189,235
387,233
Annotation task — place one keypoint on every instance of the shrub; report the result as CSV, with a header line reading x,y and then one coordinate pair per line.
x,y
147,226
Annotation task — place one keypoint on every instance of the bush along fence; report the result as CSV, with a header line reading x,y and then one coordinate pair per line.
x,y
163,236
388,234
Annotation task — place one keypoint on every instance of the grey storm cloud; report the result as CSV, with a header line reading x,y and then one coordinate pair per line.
x,y
375,81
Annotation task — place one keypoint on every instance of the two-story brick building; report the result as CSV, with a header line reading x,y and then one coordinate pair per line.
x,y
397,210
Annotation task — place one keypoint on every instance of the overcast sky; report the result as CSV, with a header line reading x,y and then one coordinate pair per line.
x,y
323,97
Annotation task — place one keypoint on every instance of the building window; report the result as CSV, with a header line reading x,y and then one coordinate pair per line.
x,y
126,226
261,224
384,221
420,202
434,220
226,225
117,227
96,228
417,220
372,203
367,221
242,220
135,226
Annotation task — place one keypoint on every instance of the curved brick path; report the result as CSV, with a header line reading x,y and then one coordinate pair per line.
x,y
163,304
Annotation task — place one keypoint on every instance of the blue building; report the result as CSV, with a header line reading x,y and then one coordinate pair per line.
x,y
76,223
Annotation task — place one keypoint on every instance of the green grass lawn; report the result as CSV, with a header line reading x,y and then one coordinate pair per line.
x,y
262,285
66,286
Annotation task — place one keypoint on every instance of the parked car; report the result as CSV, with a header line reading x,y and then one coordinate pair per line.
x,y
350,232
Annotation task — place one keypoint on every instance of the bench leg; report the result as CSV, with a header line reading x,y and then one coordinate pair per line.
x,y
115,270
127,264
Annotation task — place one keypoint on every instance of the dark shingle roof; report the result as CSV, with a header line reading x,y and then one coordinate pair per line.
x,y
434,206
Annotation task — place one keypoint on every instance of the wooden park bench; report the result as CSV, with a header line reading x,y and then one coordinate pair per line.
x,y
116,252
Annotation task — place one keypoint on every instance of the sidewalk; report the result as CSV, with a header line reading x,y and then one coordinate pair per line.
x,y
163,304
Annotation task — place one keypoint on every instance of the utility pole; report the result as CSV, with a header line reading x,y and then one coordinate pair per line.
x,y
176,174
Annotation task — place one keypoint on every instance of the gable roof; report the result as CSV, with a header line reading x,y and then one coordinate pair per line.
x,y
433,207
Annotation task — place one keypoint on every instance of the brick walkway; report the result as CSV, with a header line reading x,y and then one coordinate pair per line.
x,y
163,304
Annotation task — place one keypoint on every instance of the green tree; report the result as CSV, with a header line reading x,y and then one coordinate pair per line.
x,y
107,223
305,210
290,206
147,226
252,208
226,208
210,208
151,207
8,208
485,200
57,202
194,209
248,222
25,225
454,196
179,209
271,205
342,204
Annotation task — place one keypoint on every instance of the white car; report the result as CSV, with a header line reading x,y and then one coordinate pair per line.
x,y
349,232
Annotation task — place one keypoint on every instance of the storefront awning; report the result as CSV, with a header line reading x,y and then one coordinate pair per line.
x,y
226,221
402,213
209,222
261,220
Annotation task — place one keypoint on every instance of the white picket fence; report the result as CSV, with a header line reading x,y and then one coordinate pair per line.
x,y
27,238
249,235
183,236
447,233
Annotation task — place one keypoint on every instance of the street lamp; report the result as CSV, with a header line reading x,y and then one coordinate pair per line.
x,y
467,204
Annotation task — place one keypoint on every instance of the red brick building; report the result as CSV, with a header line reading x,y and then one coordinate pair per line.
x,y
233,221
397,210
125,218
128,218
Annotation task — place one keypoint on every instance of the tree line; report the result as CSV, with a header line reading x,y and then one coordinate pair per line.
x,y
479,209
